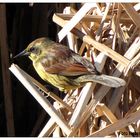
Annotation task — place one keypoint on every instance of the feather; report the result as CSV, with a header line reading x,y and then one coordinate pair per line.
x,y
110,81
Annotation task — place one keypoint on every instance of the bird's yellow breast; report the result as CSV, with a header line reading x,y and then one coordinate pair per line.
x,y
61,82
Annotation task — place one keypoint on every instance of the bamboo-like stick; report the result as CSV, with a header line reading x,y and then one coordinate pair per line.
x,y
106,50
99,31
137,73
116,96
117,125
85,96
116,27
134,62
131,52
133,35
40,98
51,94
95,18
107,112
51,124
112,118
101,47
48,128
83,131
134,107
90,108
98,9
133,49
132,13
71,37
100,61
82,24
137,7
57,132
83,46
75,20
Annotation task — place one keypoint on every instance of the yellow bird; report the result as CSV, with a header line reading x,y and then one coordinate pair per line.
x,y
63,68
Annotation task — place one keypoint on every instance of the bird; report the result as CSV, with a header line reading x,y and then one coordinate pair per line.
x,y
60,66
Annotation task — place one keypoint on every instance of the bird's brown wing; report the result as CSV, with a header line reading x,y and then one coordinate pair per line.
x,y
63,61
66,69
59,60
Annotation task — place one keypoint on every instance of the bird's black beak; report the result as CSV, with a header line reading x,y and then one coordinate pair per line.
x,y
22,54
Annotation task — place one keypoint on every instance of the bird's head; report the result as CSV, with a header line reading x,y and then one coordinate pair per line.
x,y
34,49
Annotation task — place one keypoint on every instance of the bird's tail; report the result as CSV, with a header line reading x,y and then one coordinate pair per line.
x,y
102,79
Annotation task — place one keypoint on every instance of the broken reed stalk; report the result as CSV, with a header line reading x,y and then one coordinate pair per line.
x,y
72,41
134,62
132,13
101,47
111,117
57,132
117,125
95,18
51,94
48,128
116,96
85,95
75,20
40,98
131,52
134,107
99,31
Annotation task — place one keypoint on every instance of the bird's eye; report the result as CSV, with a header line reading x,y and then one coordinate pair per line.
x,y
32,49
